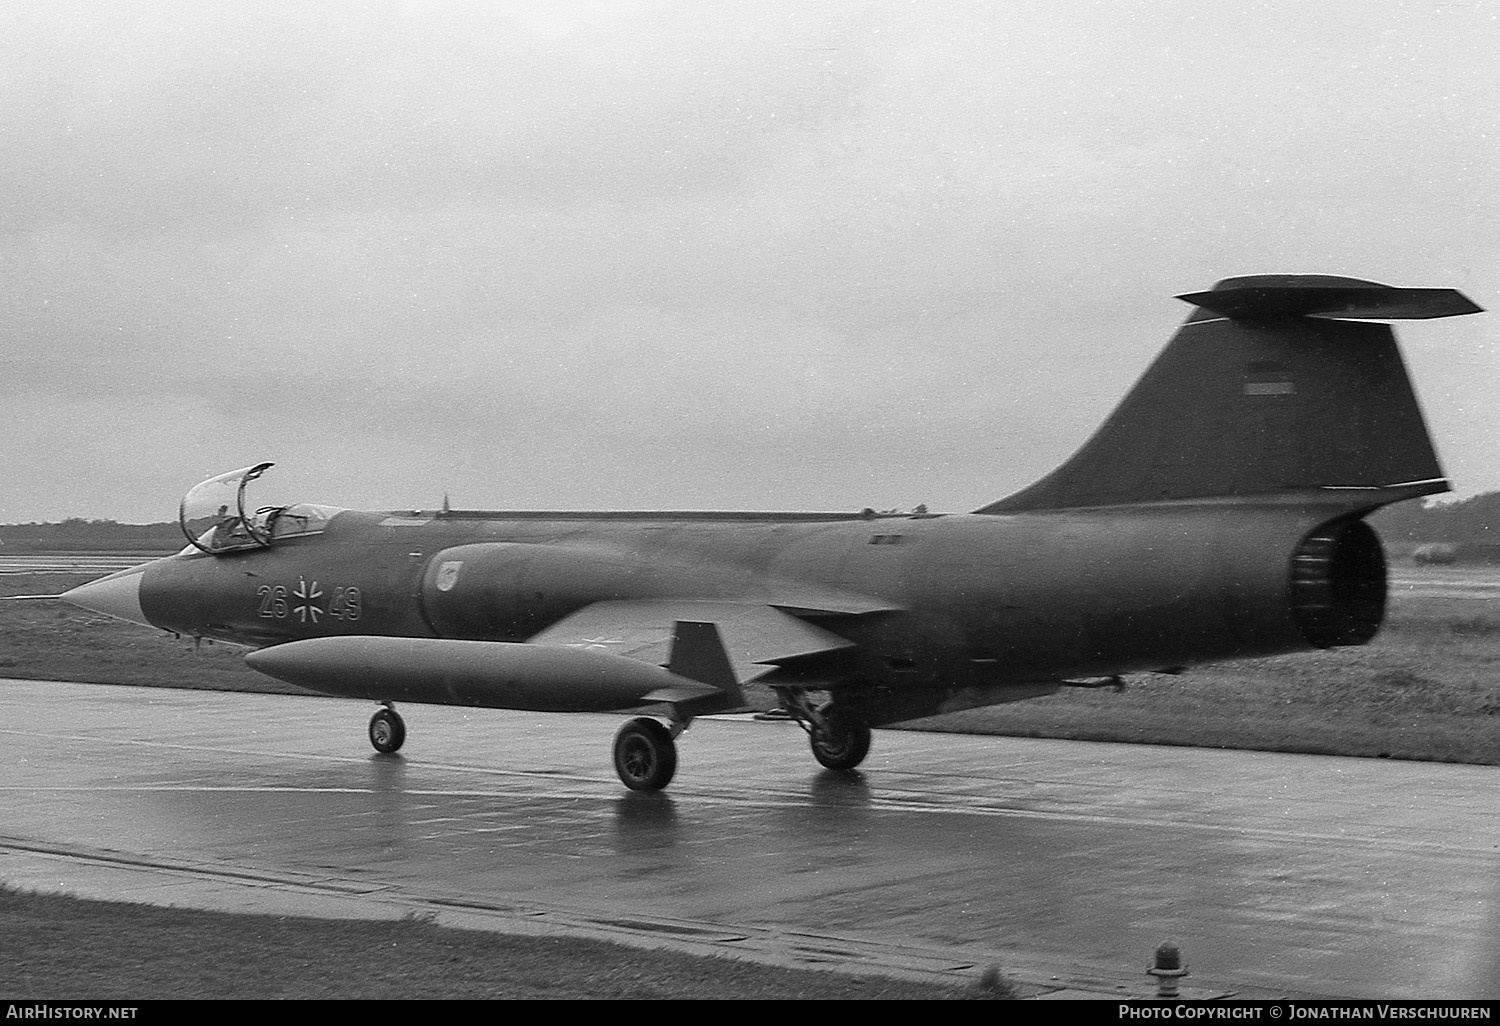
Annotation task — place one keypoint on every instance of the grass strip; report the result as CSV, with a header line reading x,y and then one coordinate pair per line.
x,y
62,948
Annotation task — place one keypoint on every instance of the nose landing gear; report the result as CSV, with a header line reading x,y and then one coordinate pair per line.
x,y
387,730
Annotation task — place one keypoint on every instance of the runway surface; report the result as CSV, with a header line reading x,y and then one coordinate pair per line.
x,y
68,563
1480,581
1064,863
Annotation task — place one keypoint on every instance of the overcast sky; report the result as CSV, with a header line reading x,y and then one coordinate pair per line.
x,y
802,255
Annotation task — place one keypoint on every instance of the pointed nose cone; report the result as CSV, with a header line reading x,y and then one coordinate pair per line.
x,y
118,595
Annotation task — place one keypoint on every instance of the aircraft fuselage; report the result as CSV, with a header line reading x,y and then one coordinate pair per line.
x,y
932,604
1217,513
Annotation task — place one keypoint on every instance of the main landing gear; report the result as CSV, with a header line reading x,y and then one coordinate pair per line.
x,y
841,741
387,730
838,735
646,754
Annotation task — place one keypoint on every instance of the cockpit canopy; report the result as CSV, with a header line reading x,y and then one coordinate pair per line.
x,y
216,519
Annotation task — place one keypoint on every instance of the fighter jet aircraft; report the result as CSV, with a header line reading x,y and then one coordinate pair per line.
x,y
1217,514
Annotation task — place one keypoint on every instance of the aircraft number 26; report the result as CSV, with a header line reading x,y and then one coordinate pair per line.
x,y
304,603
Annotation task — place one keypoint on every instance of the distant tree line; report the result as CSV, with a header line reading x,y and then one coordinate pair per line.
x,y
1474,521
78,535
1466,522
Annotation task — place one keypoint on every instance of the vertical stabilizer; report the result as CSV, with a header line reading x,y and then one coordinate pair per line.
x,y
1275,383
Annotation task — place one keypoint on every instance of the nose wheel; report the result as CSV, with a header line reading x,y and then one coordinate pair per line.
x,y
645,755
387,730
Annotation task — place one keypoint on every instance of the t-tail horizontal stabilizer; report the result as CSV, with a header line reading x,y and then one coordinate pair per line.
x,y
1327,298
1274,385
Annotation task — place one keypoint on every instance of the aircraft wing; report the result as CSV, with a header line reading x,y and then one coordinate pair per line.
x,y
755,636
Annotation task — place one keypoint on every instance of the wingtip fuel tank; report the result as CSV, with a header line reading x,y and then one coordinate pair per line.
x,y
483,674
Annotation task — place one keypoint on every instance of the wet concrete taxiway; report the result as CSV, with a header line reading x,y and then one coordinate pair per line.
x,y
1064,863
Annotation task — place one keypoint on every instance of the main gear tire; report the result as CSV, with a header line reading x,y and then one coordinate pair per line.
x,y
645,755
841,741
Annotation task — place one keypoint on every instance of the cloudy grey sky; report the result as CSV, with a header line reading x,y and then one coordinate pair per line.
x,y
647,254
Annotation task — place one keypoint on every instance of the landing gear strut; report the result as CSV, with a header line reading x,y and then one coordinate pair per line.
x,y
387,730
645,755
